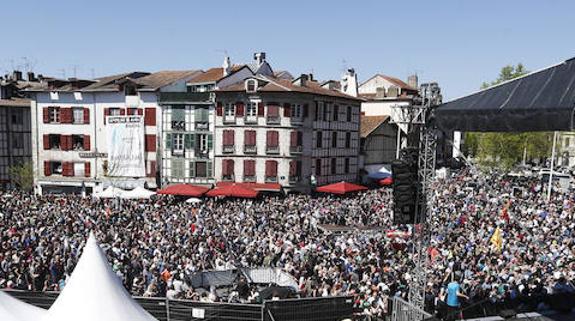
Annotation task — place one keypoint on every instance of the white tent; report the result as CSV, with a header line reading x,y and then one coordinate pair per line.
x,y
110,192
193,200
12,309
94,293
138,193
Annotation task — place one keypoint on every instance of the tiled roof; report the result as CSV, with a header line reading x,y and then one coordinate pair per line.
x,y
397,82
370,123
15,102
163,78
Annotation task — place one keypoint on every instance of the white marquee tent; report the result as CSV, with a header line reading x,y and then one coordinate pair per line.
x,y
138,193
110,192
12,309
94,293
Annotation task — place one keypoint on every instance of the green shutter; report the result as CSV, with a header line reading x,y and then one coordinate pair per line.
x,y
192,169
209,166
178,113
189,141
210,142
168,141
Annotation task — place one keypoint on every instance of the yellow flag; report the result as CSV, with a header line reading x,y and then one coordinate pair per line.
x,y
497,239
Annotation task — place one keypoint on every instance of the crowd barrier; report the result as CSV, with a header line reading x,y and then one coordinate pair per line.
x,y
306,309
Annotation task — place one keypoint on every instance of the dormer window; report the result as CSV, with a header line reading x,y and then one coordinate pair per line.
x,y
251,85
130,90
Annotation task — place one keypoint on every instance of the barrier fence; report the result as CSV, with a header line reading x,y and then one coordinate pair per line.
x,y
307,309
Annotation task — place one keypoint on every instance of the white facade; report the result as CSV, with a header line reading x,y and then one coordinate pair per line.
x,y
95,103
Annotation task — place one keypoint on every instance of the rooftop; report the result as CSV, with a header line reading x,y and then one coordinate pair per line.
x,y
370,123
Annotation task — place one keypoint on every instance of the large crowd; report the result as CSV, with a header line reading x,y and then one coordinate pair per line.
x,y
155,245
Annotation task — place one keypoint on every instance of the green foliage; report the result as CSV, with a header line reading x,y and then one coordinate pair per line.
x,y
504,150
22,175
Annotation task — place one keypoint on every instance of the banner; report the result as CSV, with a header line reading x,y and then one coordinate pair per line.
x,y
125,146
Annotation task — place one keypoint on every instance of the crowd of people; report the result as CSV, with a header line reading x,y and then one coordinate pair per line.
x,y
154,246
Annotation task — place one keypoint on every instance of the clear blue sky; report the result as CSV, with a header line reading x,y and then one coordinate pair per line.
x,y
460,44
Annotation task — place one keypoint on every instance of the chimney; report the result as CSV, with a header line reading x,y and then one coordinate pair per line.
x,y
31,76
227,66
302,80
349,83
16,75
260,58
412,81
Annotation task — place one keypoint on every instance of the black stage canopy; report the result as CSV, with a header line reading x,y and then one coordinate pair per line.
x,y
543,100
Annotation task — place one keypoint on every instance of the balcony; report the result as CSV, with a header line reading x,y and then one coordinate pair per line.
x,y
249,178
202,125
229,119
294,179
228,149
271,179
250,149
251,119
201,153
227,178
273,119
296,120
295,149
272,149
185,97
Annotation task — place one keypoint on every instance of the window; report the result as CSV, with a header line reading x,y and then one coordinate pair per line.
x,y
271,171
78,115
297,111
249,170
346,166
250,85
56,168
115,111
130,90
318,167
272,141
348,116
178,144
201,169
54,141
229,110
273,115
251,109
17,141
227,169
177,168
78,142
347,139
334,139
203,142
319,139
335,112
201,114
178,118
54,114
333,166
79,169
17,118
325,112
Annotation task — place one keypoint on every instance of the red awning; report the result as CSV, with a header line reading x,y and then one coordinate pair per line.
x,y
268,187
341,188
386,181
233,190
184,190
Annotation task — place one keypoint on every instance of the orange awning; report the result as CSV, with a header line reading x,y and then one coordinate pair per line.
x,y
184,190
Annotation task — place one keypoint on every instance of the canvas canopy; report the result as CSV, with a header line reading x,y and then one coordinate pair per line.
x,y
110,192
341,188
95,293
138,193
184,190
233,190
543,100
12,309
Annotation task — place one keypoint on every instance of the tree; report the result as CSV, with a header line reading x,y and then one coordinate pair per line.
x,y
22,175
507,149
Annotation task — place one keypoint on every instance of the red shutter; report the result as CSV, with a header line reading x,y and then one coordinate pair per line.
x,y
293,139
65,115
150,143
47,169
250,138
122,111
293,168
152,171
305,110
274,138
287,110
46,115
150,117
140,112
86,116
63,142
260,109
249,168
239,109
66,169
87,145
46,139
106,113
87,169
219,109
273,111
68,140
224,167
271,168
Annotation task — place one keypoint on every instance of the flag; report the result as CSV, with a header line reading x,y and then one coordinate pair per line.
x,y
497,239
